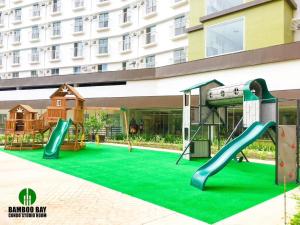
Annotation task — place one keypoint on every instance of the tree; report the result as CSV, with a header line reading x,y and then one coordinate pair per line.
x,y
95,123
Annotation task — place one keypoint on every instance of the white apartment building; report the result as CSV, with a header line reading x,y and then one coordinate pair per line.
x,y
58,37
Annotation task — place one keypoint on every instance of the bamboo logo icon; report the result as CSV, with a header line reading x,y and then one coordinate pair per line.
x,y
27,197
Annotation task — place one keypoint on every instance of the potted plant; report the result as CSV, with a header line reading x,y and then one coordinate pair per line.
x,y
94,124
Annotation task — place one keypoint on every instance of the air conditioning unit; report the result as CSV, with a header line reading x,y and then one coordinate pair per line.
x,y
86,18
41,72
84,68
95,42
295,24
86,43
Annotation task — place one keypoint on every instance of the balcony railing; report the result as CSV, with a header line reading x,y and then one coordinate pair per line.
x,y
125,18
34,58
150,38
54,55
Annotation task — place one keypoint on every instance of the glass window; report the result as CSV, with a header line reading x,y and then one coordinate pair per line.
x,y
55,52
36,12
1,57
103,46
180,24
225,38
102,67
126,15
124,65
150,6
56,28
103,20
15,74
78,49
150,61
56,6
16,57
18,14
1,39
35,32
150,34
179,56
78,26
54,71
77,69
17,35
35,57
126,42
213,6
33,73
78,3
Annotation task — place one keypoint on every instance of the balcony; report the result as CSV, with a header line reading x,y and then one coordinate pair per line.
x,y
56,10
125,19
125,47
150,11
102,26
17,19
178,3
78,29
34,58
54,56
102,51
34,36
103,2
2,3
35,14
78,5
178,33
16,40
149,39
55,34
77,53
15,61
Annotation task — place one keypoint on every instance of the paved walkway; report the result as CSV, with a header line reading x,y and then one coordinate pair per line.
x,y
74,201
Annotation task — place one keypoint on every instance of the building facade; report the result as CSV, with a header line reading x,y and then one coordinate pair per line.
x,y
223,27
55,37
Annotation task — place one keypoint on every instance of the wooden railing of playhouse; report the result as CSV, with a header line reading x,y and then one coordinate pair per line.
x,y
54,114
27,125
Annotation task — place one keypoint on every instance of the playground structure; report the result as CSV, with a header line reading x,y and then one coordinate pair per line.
x,y
23,127
206,111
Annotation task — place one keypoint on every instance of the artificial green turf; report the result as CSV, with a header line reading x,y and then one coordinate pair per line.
x,y
154,177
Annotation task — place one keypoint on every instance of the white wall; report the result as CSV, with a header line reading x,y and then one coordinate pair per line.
x,y
163,49
279,76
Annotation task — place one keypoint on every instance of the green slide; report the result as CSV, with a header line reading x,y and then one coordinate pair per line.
x,y
56,139
228,152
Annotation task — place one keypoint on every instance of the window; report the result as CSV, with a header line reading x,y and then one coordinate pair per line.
x,y
56,8
78,26
126,42
180,24
125,18
213,6
36,12
103,20
55,52
16,57
124,65
1,39
17,36
179,56
150,6
35,33
15,74
35,56
150,61
1,19
77,69
18,14
78,49
102,67
55,71
56,29
33,73
225,38
58,102
103,46
78,4
150,34
1,57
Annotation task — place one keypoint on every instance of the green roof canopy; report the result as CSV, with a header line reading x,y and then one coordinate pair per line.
x,y
202,84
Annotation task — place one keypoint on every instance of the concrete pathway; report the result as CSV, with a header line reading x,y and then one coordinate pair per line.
x,y
74,201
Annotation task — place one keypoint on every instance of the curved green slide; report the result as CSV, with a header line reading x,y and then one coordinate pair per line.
x,y
56,139
228,152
